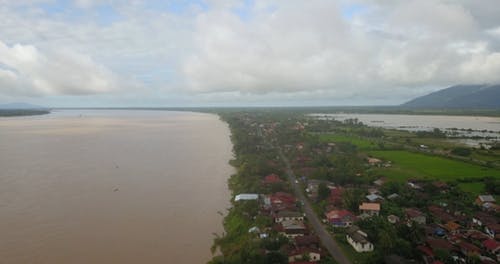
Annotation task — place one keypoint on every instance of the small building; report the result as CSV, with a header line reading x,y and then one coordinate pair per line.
x,y
440,244
492,246
414,185
452,227
374,198
340,218
336,196
370,209
440,214
292,228
393,219
246,197
493,230
468,249
379,182
313,255
288,215
393,196
310,241
358,239
282,198
482,218
272,179
374,161
414,215
482,199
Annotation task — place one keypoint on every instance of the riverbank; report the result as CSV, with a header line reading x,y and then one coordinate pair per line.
x,y
22,112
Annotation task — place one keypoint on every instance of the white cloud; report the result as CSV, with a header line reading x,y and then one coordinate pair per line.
x,y
274,49
27,70
302,47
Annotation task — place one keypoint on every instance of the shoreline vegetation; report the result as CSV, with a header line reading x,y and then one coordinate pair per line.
x,y
413,175
23,112
315,109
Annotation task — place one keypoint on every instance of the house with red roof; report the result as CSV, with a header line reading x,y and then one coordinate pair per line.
x,y
493,230
336,195
340,218
468,249
298,254
282,198
310,241
272,179
415,215
370,209
492,246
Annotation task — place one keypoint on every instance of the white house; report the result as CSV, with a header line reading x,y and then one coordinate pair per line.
x,y
358,239
288,215
246,197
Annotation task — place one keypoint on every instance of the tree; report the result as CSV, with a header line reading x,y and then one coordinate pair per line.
x,y
323,192
352,198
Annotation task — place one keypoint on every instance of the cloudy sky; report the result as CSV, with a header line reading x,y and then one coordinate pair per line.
x,y
251,52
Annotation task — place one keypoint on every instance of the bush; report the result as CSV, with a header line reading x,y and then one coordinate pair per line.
x,y
461,151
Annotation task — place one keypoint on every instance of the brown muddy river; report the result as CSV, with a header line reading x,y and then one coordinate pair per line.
x,y
88,186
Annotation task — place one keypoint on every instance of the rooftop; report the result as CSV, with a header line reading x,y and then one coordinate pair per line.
x,y
370,206
246,197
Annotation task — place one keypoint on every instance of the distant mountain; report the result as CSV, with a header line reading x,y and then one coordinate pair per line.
x,y
23,106
460,96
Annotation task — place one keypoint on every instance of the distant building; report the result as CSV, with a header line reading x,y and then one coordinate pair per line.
x,y
392,219
370,209
292,228
482,199
393,196
340,218
414,215
246,197
374,198
272,179
287,216
313,255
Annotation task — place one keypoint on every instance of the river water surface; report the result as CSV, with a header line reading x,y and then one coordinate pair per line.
x,y
86,186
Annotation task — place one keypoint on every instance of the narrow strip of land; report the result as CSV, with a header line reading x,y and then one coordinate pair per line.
x,y
328,242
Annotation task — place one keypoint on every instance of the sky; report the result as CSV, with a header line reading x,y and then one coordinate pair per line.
x,y
160,53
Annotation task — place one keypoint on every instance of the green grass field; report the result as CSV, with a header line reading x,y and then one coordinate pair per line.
x,y
361,143
413,165
475,188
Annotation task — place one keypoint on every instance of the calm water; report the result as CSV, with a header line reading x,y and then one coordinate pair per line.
x,y
112,186
422,122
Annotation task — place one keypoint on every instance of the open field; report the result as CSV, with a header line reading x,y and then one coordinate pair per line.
x,y
475,188
360,142
413,165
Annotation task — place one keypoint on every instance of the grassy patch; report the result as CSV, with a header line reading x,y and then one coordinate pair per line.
x,y
413,165
361,143
475,188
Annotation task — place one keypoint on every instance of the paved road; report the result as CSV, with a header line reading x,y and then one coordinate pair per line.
x,y
328,242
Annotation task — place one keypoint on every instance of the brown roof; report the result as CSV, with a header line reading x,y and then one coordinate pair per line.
x,y
301,241
440,244
370,206
412,212
451,226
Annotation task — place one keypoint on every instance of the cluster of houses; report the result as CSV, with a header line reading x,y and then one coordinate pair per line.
x,y
458,235
288,221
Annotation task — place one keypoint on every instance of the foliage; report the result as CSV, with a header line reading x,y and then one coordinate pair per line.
x,y
461,151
